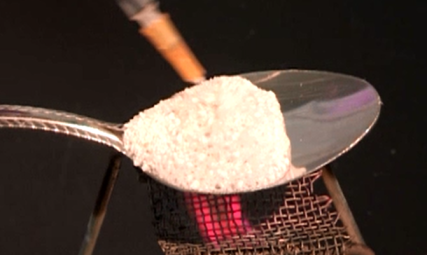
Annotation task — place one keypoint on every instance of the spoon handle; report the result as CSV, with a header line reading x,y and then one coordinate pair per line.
x,y
27,117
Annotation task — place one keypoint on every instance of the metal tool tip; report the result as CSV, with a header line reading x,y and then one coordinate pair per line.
x,y
132,7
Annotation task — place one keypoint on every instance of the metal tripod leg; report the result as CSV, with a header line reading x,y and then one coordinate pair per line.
x,y
346,216
98,214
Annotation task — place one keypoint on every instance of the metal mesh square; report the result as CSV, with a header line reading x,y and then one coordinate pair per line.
x,y
289,219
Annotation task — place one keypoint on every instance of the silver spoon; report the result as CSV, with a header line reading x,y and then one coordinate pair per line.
x,y
326,114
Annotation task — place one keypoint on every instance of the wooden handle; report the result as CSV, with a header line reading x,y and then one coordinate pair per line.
x,y
167,40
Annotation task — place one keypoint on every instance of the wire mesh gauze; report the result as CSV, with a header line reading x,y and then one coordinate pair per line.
x,y
289,219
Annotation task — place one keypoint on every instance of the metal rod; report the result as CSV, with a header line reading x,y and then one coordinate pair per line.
x,y
98,214
341,205
358,246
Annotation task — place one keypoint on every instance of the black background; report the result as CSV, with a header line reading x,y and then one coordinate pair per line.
x,y
85,57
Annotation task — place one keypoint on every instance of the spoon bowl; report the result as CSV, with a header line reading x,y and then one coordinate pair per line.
x,y
326,114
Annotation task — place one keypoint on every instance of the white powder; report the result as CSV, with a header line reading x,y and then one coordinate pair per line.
x,y
224,135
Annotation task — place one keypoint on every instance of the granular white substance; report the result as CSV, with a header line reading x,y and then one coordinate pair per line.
x,y
224,135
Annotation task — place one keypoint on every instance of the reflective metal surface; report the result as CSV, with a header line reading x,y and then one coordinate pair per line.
x,y
27,117
326,114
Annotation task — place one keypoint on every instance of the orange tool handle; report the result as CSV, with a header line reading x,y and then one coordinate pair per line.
x,y
164,36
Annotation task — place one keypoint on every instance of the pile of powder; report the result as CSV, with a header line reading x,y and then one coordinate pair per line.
x,y
223,135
